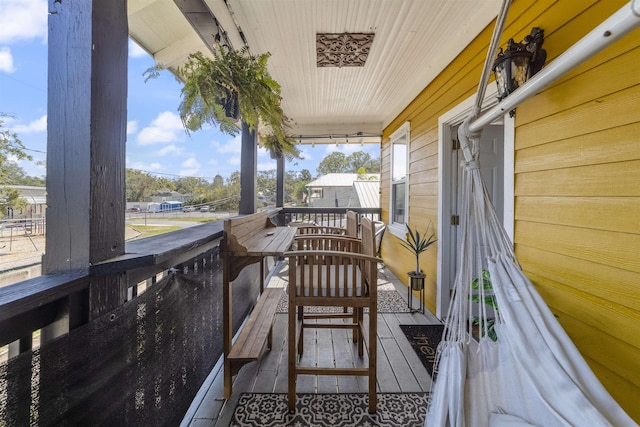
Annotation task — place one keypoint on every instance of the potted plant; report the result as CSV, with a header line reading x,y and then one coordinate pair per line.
x,y
418,243
490,300
232,85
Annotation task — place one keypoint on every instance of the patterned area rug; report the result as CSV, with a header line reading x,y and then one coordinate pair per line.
x,y
389,301
424,339
320,410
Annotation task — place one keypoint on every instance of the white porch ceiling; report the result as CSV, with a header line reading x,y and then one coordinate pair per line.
x,y
414,41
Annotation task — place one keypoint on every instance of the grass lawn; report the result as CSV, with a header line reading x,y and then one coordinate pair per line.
x,y
153,230
191,219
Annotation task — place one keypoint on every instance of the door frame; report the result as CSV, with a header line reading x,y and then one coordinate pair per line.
x,y
452,118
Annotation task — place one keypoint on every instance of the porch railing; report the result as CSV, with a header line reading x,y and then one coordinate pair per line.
x,y
334,217
142,362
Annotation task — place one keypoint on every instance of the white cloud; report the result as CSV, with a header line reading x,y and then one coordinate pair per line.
x,y
6,60
191,167
343,148
132,127
23,20
136,51
191,162
163,129
267,166
170,149
38,125
263,152
232,146
155,166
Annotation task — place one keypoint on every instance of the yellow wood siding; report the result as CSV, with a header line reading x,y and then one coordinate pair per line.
x,y
577,184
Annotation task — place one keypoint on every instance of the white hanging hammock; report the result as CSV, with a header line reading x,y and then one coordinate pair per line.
x,y
524,370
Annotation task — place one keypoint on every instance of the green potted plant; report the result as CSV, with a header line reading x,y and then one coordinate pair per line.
x,y
231,85
418,243
490,300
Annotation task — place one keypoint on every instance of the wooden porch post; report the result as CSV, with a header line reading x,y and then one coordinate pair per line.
x,y
280,182
248,171
87,116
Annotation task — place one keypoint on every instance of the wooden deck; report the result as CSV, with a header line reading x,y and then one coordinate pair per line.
x,y
399,369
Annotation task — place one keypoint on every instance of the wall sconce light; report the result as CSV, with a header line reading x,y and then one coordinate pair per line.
x,y
519,62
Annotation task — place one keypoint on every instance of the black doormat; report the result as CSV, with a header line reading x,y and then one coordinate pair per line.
x,y
320,410
424,339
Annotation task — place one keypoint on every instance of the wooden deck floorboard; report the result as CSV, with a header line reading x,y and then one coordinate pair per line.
x,y
399,368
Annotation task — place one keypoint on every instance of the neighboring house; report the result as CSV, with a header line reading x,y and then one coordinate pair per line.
x,y
565,179
36,197
166,195
344,190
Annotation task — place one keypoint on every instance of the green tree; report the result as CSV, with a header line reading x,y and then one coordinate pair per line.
x,y
335,162
295,185
191,185
140,185
359,160
15,175
305,175
11,199
10,146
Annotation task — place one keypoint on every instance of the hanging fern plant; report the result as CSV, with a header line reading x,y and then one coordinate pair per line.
x,y
230,85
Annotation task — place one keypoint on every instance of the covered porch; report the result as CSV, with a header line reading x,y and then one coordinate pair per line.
x,y
401,373
128,333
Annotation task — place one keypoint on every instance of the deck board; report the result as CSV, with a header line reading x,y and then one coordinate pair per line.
x,y
399,368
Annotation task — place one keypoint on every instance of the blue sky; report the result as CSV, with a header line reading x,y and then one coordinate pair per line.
x,y
156,140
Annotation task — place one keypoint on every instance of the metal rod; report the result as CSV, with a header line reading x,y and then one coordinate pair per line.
x,y
491,53
625,20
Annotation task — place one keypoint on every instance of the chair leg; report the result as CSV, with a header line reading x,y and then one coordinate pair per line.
x,y
300,336
291,372
354,319
373,357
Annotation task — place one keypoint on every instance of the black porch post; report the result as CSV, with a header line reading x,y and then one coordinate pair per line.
x,y
87,120
280,189
248,171
280,182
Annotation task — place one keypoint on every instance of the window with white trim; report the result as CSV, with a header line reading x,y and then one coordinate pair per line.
x,y
399,197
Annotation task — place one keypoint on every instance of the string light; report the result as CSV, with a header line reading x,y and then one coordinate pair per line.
x,y
341,138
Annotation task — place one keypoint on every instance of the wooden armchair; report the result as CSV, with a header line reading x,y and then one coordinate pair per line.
x,y
334,278
320,229
351,229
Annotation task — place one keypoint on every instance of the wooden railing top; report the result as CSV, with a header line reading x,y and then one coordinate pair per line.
x,y
158,250
339,210
30,294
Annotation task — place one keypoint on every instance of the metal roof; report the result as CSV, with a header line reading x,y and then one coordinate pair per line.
x,y
339,180
368,193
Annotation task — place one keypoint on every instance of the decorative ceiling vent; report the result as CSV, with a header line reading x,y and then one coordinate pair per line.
x,y
343,50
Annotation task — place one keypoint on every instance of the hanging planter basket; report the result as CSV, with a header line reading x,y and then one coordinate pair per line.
x,y
231,107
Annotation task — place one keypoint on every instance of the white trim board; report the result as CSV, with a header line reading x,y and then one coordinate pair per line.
x,y
454,117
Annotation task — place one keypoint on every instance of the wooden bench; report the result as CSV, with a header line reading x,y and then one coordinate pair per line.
x,y
247,240
256,335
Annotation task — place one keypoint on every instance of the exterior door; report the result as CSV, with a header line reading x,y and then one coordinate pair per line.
x,y
492,170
